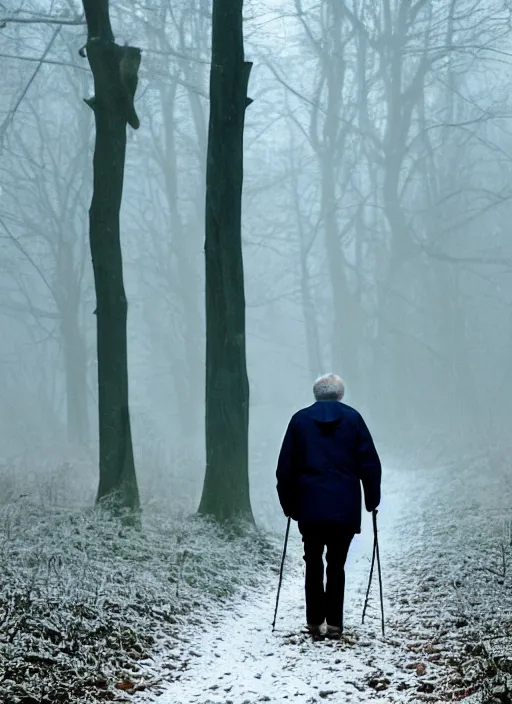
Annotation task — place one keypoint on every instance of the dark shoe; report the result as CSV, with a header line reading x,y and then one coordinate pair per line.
x,y
314,630
333,632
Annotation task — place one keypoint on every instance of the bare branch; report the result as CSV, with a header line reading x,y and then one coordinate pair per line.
x,y
10,115
61,21
37,59
26,254
481,260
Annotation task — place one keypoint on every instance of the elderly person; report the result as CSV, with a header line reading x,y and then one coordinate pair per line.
x,y
327,452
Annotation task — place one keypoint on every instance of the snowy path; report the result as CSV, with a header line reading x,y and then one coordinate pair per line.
x,y
238,660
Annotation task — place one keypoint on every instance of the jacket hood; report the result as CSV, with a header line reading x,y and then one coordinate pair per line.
x,y
326,411
327,415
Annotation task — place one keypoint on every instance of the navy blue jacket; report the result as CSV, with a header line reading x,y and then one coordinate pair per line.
x,y
327,452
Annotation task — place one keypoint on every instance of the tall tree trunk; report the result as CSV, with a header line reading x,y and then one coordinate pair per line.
x,y
308,307
186,375
330,142
75,364
346,344
311,330
226,487
115,79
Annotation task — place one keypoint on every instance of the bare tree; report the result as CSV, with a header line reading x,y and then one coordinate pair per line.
x,y
226,486
47,189
115,72
307,236
179,154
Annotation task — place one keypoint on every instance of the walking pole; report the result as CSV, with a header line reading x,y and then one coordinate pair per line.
x,y
375,554
380,573
281,572
371,575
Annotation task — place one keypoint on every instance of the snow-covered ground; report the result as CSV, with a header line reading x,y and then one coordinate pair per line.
x,y
84,600
181,612
448,606
240,659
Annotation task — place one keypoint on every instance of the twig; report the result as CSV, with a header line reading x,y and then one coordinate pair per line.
x,y
78,21
12,113
51,62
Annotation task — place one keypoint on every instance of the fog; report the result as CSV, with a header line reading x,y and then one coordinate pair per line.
x,y
376,234
141,535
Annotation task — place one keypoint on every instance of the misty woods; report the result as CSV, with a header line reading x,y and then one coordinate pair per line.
x,y
204,206
373,226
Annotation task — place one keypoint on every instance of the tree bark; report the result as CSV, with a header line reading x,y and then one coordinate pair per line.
x,y
115,77
75,365
226,487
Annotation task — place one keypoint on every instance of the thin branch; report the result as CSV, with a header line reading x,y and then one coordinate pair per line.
x,y
482,260
177,54
77,21
37,59
26,254
10,116
15,307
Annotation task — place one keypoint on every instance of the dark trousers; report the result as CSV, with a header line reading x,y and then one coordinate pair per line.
x,y
325,603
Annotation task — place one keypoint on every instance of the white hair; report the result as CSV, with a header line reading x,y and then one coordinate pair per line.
x,y
329,387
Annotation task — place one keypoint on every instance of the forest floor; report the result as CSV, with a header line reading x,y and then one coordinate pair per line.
x,y
447,568
85,603
180,612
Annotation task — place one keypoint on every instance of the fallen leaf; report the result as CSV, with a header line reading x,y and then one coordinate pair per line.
x,y
124,685
418,666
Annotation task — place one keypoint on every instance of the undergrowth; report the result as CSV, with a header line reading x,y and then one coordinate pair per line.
x,y
85,603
